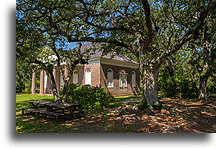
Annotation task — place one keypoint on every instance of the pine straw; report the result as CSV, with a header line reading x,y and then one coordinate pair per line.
x,y
178,116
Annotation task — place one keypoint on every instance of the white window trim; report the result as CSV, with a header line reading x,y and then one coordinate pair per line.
x,y
122,73
133,79
109,78
75,77
86,77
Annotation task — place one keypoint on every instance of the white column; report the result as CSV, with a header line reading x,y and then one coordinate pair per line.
x,y
33,87
45,82
42,82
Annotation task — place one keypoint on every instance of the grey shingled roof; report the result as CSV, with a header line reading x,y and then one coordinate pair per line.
x,y
99,54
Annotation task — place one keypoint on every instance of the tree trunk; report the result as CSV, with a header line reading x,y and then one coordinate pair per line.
x,y
66,74
149,80
142,80
202,87
54,89
51,74
53,85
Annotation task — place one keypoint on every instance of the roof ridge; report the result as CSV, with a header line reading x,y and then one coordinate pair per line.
x,y
99,53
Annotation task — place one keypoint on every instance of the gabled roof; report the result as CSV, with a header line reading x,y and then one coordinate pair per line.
x,y
99,54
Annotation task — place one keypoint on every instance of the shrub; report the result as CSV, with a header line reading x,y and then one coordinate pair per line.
x,y
187,89
178,86
168,87
88,97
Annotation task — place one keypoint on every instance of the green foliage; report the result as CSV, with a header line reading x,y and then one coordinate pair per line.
x,y
211,87
178,86
167,86
88,97
187,89
23,77
176,78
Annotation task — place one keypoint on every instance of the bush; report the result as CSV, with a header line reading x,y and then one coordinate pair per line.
x,y
187,89
178,86
88,97
211,87
168,87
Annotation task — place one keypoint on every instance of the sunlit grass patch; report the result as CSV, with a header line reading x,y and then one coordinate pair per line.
x,y
22,100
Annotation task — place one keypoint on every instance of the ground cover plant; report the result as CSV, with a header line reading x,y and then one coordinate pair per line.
x,y
122,115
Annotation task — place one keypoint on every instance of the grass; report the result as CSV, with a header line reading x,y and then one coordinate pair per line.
x,y
122,98
22,100
34,124
189,116
25,123
27,97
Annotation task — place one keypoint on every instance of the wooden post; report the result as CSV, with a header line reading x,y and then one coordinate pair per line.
x,y
33,87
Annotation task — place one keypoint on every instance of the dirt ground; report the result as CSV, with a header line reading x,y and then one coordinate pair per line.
x,y
177,116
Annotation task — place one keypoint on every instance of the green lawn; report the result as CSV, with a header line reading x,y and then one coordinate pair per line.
x,y
34,124
178,116
25,123
22,100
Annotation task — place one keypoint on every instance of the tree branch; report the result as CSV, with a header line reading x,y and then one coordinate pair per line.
x,y
147,12
190,33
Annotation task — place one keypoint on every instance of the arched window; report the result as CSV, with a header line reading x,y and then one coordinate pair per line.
x,y
88,77
133,79
75,77
122,79
110,77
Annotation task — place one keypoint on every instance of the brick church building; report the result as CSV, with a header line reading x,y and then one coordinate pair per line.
x,y
118,74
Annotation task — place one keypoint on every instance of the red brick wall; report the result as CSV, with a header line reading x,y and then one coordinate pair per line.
x,y
95,74
116,90
99,78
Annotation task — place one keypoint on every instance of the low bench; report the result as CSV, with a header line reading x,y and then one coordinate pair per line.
x,y
75,113
78,111
54,108
42,112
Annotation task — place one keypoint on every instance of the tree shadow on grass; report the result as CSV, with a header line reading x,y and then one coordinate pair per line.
x,y
179,116
40,124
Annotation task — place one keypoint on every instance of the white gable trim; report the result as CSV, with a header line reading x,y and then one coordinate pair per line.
x,y
95,61
113,62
